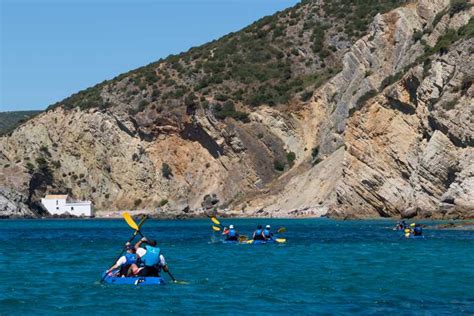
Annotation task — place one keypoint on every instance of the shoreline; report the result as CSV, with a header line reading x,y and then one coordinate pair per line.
x,y
443,224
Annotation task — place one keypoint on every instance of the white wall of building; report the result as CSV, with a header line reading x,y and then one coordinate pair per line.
x,y
59,205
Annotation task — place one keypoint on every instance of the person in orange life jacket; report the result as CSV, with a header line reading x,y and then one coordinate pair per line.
x,y
267,233
258,234
125,262
151,261
231,234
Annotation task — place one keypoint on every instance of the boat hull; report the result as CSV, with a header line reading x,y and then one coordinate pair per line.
x,y
133,280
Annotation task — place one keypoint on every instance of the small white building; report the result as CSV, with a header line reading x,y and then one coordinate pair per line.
x,y
58,204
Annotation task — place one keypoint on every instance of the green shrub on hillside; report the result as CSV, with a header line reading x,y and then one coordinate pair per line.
x,y
457,6
278,165
291,157
228,110
137,202
166,170
306,95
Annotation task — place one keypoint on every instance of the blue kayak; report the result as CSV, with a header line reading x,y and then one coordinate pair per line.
x,y
255,242
416,237
268,241
134,280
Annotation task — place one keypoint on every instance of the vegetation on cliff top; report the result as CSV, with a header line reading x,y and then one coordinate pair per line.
x,y
269,62
10,120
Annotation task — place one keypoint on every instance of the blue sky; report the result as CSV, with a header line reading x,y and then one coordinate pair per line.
x,y
53,48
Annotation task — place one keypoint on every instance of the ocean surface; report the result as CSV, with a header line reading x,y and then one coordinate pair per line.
x,y
52,267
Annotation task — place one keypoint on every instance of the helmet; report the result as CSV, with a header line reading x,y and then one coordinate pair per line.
x,y
259,226
412,224
267,227
231,227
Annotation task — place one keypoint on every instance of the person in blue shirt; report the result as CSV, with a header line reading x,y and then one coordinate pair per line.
x,y
258,234
151,261
267,233
125,262
231,234
417,230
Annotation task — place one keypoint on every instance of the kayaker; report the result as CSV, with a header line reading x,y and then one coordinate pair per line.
x,y
267,233
258,234
417,230
125,262
151,260
401,225
231,234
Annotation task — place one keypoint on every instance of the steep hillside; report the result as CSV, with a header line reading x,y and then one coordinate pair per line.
x,y
324,107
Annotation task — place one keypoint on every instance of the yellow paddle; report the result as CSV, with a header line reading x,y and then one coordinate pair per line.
x,y
128,218
216,229
215,221
281,230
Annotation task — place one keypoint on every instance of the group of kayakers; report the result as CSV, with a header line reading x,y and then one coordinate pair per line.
x,y
231,234
142,259
413,229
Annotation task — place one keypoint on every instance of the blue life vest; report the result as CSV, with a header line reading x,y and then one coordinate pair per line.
x,y
258,234
418,231
152,256
131,258
267,233
232,233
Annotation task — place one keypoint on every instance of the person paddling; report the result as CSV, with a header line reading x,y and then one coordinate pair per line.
x,y
417,230
267,233
231,234
151,260
258,234
401,225
125,262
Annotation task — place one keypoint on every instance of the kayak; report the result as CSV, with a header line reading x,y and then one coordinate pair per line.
x,y
270,241
256,242
416,237
110,279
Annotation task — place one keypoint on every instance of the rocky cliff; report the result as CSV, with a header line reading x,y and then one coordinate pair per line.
x,y
363,113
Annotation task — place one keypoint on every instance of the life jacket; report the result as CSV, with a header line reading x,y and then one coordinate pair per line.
x,y
131,258
267,233
258,234
417,231
152,256
232,233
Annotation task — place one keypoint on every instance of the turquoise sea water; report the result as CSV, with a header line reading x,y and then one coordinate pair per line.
x,y
327,267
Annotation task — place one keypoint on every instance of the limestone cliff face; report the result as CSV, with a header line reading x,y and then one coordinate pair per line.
x,y
391,134
409,148
396,135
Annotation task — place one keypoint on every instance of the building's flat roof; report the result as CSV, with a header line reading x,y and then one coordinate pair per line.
x,y
56,197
